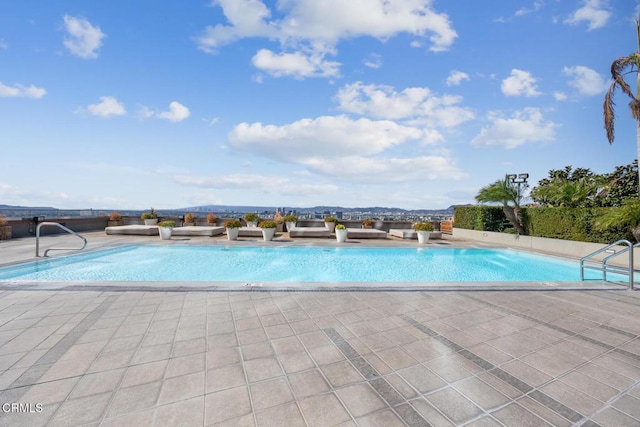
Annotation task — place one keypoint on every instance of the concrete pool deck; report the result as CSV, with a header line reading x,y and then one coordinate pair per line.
x,y
100,356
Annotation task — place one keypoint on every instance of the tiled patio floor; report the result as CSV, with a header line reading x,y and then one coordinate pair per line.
x,y
320,358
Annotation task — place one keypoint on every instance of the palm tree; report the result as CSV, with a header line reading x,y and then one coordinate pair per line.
x,y
503,191
618,71
628,214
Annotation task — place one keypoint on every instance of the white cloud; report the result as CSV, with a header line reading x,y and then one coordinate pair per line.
x,y
3,44
296,64
84,39
212,121
456,77
537,5
595,12
329,21
263,183
417,104
585,80
325,137
107,107
519,83
177,113
526,126
344,148
560,96
373,170
311,28
373,61
19,91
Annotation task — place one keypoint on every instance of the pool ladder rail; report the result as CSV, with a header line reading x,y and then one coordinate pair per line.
x,y
56,224
605,267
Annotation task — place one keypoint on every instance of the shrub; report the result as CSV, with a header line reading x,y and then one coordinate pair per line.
x,y
169,224
484,218
340,227
278,218
211,218
267,224
3,221
579,224
367,223
190,217
232,223
330,219
251,217
115,216
290,218
423,226
149,215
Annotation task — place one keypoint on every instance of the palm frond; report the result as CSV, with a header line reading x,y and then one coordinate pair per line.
x,y
609,112
617,68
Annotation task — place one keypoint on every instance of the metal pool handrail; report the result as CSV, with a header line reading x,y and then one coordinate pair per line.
x,y
604,266
57,224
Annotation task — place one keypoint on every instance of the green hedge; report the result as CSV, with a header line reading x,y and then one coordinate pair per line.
x,y
485,218
559,223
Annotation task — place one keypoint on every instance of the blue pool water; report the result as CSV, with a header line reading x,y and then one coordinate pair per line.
x,y
296,264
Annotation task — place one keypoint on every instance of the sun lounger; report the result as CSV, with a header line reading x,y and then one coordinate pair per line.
x,y
197,231
409,234
309,232
365,233
137,230
250,232
152,230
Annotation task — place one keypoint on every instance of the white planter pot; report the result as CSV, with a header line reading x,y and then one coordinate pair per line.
x,y
153,221
232,233
290,225
252,224
341,235
268,233
165,232
423,236
330,225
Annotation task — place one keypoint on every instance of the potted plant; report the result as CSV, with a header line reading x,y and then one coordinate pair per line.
x,y
115,219
268,229
164,228
423,230
5,230
150,218
367,223
277,218
232,226
290,220
252,219
189,219
330,223
341,233
212,219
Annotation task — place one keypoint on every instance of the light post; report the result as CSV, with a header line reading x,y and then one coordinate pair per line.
x,y
519,179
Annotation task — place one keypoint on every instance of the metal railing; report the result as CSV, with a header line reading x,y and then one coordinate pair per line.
x,y
56,224
605,267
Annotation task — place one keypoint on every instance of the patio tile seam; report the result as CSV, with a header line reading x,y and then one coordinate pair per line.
x,y
114,392
567,331
526,389
23,383
609,403
389,395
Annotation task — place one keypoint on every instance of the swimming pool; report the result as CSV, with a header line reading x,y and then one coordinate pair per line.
x,y
298,264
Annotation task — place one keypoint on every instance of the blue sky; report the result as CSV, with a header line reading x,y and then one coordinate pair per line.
x,y
405,103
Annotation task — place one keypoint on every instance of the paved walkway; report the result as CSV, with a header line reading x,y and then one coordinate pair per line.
x,y
482,358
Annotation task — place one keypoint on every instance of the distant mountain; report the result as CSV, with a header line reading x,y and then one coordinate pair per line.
x,y
33,208
321,209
